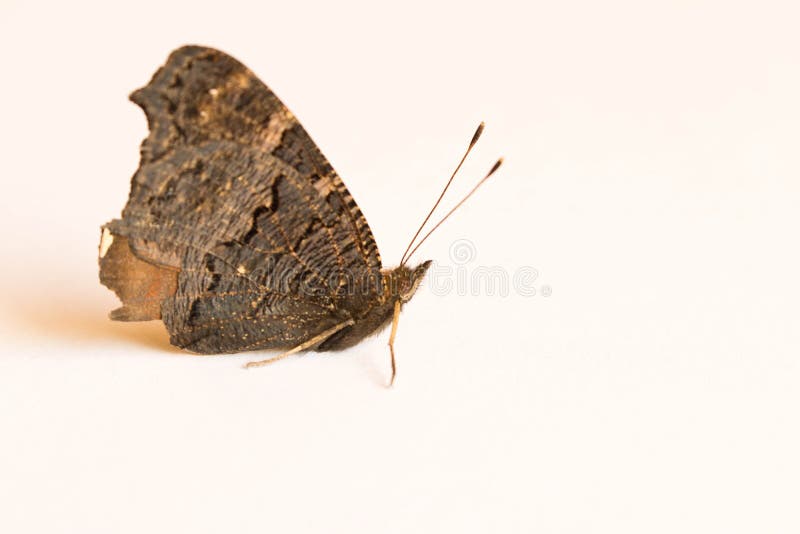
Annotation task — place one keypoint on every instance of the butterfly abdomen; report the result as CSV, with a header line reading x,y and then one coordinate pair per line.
x,y
376,318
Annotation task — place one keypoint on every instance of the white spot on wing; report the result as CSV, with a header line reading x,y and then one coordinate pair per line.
x,y
105,242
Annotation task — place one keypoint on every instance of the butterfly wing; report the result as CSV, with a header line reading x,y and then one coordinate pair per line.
x,y
271,247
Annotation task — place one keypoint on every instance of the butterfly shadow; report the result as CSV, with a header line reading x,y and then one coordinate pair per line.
x,y
82,321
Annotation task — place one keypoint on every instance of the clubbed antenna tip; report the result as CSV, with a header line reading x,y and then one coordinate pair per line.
x,y
495,167
477,135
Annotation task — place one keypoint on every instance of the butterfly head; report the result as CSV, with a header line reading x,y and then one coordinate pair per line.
x,y
403,281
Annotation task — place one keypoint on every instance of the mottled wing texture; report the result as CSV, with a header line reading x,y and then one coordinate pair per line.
x,y
271,247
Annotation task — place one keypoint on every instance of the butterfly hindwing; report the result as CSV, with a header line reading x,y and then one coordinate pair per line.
x,y
271,247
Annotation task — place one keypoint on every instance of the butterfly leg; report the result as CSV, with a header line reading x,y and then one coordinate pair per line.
x,y
395,321
303,346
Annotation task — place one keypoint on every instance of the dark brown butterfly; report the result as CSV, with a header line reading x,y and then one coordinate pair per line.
x,y
238,233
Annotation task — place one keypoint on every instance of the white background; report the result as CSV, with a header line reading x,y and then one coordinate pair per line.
x,y
651,179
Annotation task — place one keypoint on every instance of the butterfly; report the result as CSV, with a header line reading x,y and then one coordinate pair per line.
x,y
238,234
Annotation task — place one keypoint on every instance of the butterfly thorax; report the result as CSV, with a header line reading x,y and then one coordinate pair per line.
x,y
398,284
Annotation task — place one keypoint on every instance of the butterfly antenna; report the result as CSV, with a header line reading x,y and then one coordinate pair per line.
x,y
475,138
449,213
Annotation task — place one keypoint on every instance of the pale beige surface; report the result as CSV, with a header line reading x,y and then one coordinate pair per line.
x,y
651,179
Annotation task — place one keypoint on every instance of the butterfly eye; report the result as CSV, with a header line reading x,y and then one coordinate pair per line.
x,y
415,279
